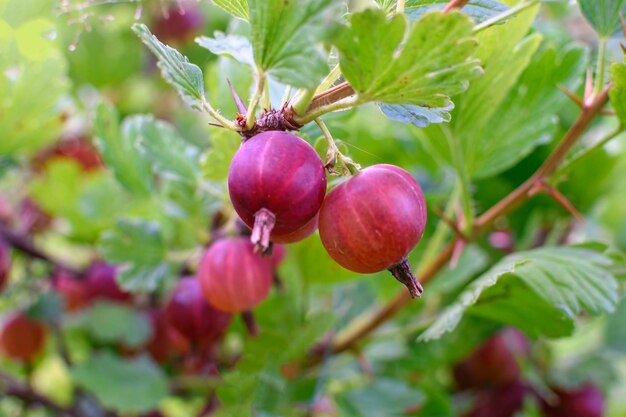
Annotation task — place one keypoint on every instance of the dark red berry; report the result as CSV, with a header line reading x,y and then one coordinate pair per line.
x,y
495,362
179,24
102,283
502,401
277,184
372,221
73,291
5,263
188,312
80,150
233,277
586,401
165,342
22,338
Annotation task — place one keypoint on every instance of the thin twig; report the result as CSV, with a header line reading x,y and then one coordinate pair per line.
x,y
364,327
25,245
12,387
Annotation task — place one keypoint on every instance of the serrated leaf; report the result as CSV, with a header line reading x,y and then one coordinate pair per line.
x,y
184,76
534,97
47,308
123,385
370,63
117,145
416,115
133,241
88,201
479,10
383,397
238,8
285,34
216,161
540,290
114,323
618,92
604,15
234,46
162,145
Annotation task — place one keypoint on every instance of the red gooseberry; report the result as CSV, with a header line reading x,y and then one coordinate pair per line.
x,y
5,263
277,184
584,401
495,362
188,312
73,291
371,222
101,283
233,277
22,338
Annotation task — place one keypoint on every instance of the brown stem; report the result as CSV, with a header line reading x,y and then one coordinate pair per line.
x,y
251,325
518,196
264,221
25,245
332,95
402,272
14,388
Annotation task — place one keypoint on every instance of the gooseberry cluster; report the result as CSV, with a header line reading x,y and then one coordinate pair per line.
x,y
368,223
493,374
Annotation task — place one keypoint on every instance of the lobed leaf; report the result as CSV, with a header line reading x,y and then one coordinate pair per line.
x,y
285,34
124,385
434,62
604,15
541,291
184,76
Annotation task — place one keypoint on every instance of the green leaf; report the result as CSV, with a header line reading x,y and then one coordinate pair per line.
x,y
238,8
602,14
114,323
216,161
506,140
33,80
541,291
160,143
416,115
383,397
184,76
89,201
479,10
235,46
118,147
123,385
368,58
618,92
138,245
48,308
388,6
284,37
615,331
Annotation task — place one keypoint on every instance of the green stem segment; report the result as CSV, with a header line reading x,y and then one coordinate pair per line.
x,y
302,99
601,66
258,91
463,180
333,156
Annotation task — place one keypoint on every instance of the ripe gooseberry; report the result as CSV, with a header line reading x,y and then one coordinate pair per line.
x,y
501,401
372,221
5,263
102,283
585,401
234,278
72,290
495,362
179,24
300,234
277,184
80,150
165,341
22,338
188,312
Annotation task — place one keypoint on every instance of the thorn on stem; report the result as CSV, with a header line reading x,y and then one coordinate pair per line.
x,y
451,223
571,95
241,107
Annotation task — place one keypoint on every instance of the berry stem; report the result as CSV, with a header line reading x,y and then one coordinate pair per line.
x,y
264,221
251,325
402,272
334,156
258,91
